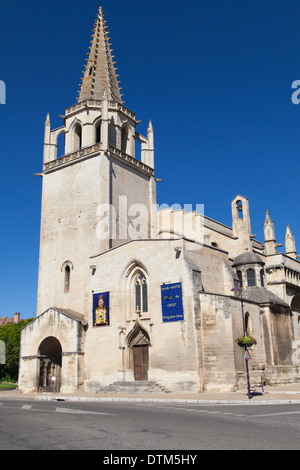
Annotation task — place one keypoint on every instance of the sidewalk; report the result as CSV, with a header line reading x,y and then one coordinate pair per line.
x,y
289,393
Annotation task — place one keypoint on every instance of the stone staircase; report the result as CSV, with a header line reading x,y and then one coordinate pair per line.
x,y
135,387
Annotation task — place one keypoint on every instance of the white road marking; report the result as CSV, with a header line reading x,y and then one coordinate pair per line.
x,y
70,410
55,410
206,411
275,414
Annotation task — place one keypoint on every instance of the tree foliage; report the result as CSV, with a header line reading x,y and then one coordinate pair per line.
x,y
10,334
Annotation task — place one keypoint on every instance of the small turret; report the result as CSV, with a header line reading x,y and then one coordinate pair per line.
x,y
47,139
290,244
47,129
269,235
147,146
150,136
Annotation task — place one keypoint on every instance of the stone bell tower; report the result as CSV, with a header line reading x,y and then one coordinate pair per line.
x,y
98,194
241,225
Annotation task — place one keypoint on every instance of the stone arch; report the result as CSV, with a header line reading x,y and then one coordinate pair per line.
x,y
49,364
295,302
76,135
59,137
133,265
138,334
67,263
97,130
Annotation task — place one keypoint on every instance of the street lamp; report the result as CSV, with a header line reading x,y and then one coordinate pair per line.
x,y
238,288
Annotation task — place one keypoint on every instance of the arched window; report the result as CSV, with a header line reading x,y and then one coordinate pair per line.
x,y
141,293
77,137
98,132
112,135
124,137
239,275
239,208
251,277
262,282
66,269
67,279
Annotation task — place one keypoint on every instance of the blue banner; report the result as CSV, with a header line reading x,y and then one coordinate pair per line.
x,y
171,302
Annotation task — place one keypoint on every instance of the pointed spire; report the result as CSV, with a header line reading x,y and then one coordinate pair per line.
x,y
290,245
47,132
269,234
99,75
269,231
150,135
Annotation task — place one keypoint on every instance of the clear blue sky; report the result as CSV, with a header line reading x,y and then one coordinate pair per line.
x,y
214,76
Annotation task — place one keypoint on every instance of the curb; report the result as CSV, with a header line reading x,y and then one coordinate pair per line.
x,y
162,400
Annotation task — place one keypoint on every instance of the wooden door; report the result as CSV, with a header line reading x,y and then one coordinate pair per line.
x,y
141,362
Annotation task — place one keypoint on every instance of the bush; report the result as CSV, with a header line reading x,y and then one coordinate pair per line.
x,y
10,334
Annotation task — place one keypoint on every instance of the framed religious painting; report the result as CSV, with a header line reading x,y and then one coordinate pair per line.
x,y
101,309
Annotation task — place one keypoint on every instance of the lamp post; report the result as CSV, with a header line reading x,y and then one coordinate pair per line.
x,y
238,288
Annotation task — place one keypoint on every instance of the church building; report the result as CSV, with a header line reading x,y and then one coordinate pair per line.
x,y
135,298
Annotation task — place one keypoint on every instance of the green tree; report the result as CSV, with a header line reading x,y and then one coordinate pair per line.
x,y
10,334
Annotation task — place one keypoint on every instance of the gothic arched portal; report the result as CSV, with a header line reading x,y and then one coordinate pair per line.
x,y
138,341
50,361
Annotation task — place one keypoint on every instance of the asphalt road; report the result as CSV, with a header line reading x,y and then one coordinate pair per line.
x,y
123,426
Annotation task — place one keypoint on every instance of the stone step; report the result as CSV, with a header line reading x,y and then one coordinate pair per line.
x,y
133,387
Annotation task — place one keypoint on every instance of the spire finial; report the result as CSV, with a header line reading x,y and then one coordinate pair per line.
x,y
99,72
